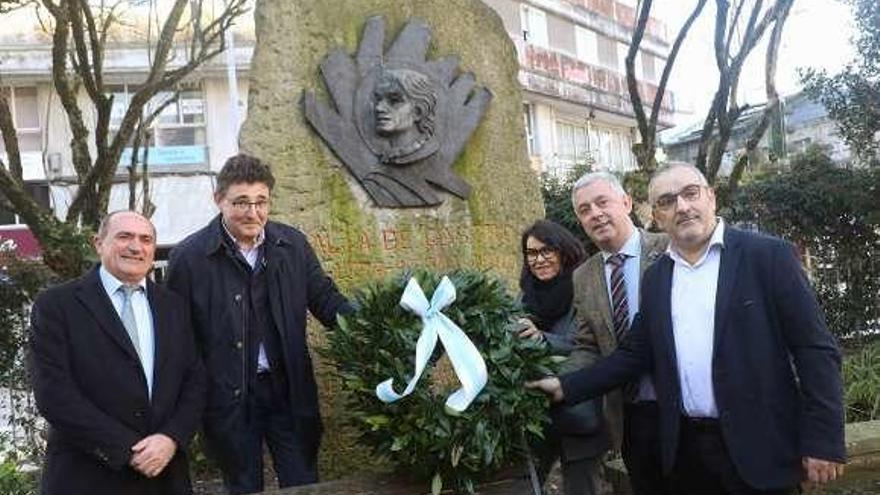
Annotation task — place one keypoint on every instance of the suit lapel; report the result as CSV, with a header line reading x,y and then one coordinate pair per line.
x,y
664,307
92,295
730,258
600,287
161,333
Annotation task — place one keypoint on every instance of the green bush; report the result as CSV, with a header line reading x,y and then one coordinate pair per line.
x,y
14,481
20,281
832,214
556,192
861,376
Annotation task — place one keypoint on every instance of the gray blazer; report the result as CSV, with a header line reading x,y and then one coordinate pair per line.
x,y
595,334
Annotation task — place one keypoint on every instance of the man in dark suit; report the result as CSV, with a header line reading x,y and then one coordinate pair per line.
x,y
604,315
250,283
115,373
747,375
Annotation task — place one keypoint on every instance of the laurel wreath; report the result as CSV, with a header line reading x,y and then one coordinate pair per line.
x,y
417,433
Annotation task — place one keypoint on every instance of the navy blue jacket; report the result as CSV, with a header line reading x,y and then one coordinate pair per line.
x,y
775,369
203,270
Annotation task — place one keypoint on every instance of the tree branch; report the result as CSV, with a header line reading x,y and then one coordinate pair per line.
x,y
79,143
772,107
673,54
10,138
631,82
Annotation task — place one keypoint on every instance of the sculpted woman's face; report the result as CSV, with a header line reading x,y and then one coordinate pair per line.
x,y
395,112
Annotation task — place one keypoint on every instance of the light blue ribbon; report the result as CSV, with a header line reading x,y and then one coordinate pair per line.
x,y
466,359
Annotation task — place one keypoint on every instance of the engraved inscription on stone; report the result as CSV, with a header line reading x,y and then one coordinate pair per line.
x,y
398,121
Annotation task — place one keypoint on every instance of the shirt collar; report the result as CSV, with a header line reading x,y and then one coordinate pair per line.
x,y
261,237
631,248
717,239
112,284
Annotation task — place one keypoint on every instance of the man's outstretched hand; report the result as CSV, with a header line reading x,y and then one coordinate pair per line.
x,y
550,386
818,472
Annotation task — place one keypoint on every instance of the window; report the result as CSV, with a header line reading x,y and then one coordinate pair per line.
x,y
572,146
586,45
26,116
529,121
622,50
607,51
179,134
561,35
534,26
612,148
40,193
649,70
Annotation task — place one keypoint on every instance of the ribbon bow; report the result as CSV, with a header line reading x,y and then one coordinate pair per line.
x,y
466,359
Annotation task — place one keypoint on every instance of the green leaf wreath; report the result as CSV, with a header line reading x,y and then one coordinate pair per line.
x,y
417,433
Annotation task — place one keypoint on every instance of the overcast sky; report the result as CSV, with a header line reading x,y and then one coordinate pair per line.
x,y
817,34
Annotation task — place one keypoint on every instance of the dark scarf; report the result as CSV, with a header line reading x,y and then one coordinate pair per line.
x,y
546,302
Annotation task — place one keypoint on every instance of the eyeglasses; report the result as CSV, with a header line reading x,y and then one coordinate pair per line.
x,y
545,252
689,193
243,205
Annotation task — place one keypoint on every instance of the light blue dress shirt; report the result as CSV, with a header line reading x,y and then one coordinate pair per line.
x,y
632,248
140,306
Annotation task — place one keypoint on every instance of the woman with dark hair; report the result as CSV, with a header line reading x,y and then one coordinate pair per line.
x,y
577,435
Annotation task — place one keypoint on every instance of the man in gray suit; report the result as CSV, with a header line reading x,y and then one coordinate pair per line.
x,y
606,298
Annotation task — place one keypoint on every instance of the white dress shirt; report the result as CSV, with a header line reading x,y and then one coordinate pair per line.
x,y
632,249
140,306
694,287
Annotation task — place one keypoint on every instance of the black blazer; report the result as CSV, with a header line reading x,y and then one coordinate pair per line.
x,y
90,387
775,369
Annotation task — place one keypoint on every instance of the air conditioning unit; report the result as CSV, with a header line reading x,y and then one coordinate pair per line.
x,y
54,166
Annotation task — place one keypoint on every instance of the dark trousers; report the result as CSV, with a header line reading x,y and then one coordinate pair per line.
x,y
641,449
294,451
579,475
703,466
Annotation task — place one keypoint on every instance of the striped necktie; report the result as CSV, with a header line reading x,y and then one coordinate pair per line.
x,y
619,305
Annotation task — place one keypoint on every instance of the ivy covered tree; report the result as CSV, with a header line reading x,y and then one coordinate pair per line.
x,y
852,97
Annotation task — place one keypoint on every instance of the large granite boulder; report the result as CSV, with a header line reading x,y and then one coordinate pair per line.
x,y
474,226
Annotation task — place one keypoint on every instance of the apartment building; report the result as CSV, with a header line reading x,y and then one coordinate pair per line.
x,y
572,70
192,137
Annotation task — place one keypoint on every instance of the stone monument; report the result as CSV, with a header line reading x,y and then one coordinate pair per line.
x,y
395,131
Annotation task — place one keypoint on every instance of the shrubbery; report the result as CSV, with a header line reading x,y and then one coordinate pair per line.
x,y
833,215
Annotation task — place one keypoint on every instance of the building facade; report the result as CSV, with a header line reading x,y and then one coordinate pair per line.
x,y
191,137
572,55
576,107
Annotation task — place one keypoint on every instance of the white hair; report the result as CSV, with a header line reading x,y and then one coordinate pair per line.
x,y
591,177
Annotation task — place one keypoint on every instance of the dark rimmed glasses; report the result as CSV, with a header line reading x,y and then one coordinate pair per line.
x,y
545,252
688,193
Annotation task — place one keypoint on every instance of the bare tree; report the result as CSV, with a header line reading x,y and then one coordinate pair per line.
x,y
734,41
771,108
647,124
80,30
739,27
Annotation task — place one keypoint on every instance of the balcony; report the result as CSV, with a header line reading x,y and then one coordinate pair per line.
x,y
559,75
